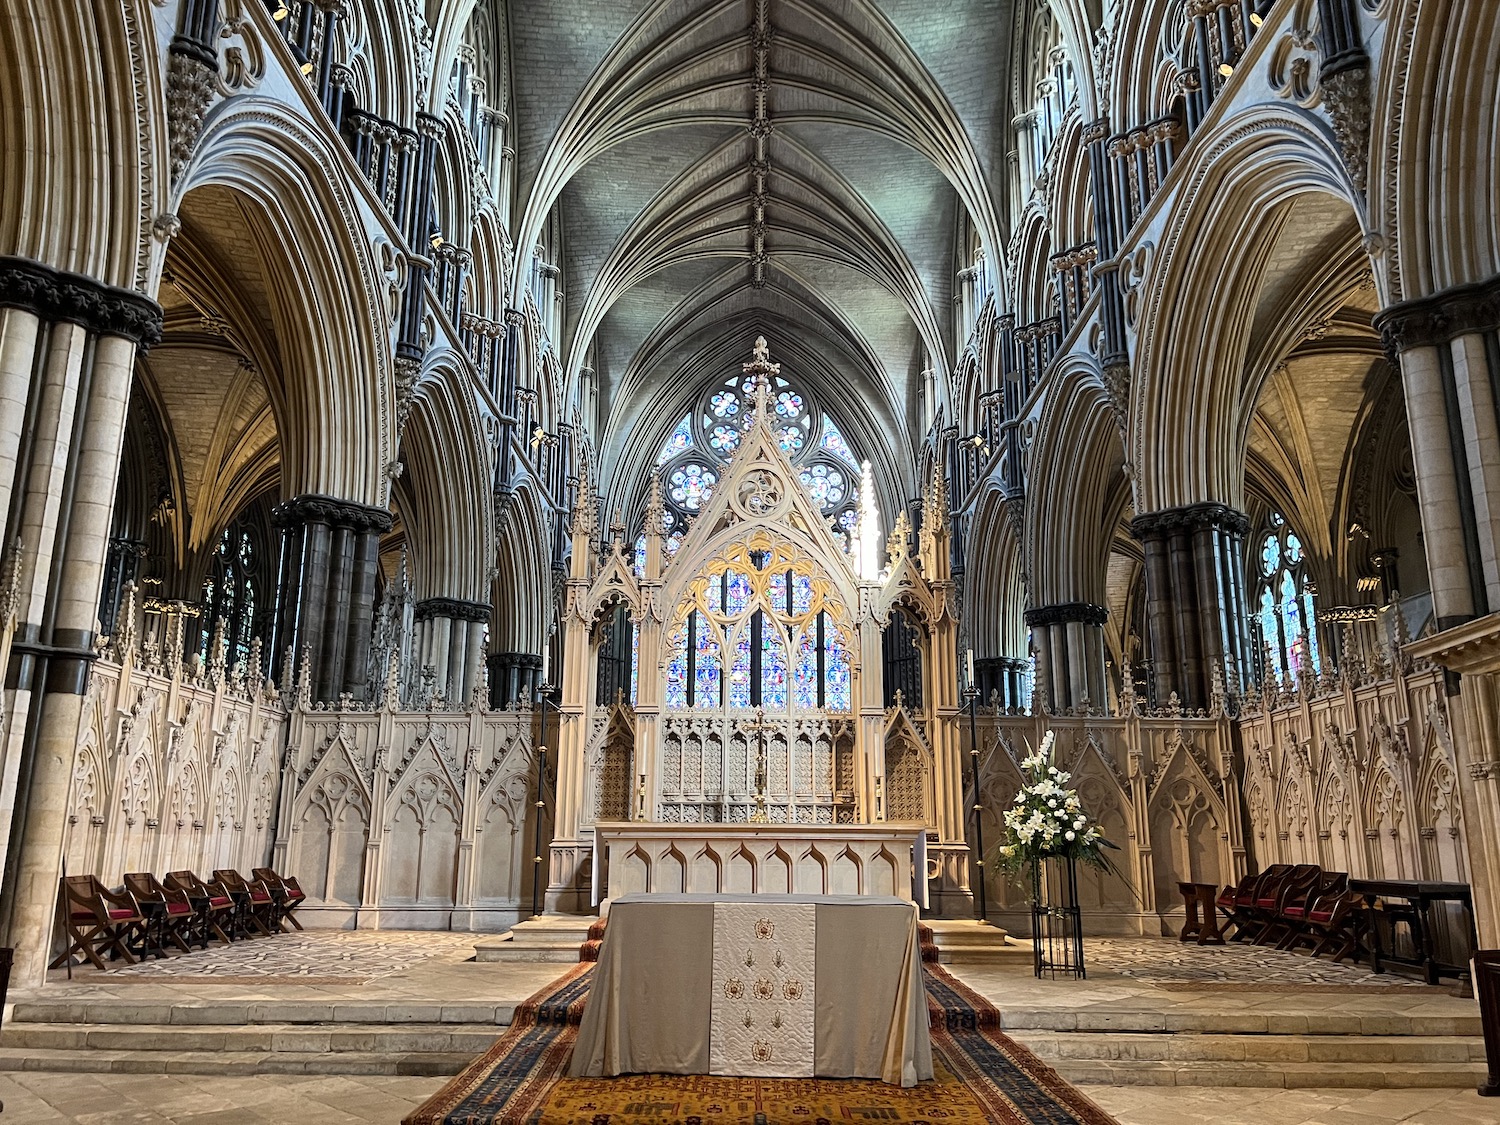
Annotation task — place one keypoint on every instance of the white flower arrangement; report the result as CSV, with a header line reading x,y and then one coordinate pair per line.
x,y
1047,818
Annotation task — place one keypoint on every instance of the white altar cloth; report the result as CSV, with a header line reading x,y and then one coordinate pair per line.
x,y
679,975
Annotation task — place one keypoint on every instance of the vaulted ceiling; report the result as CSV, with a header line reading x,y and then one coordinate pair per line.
x,y
727,168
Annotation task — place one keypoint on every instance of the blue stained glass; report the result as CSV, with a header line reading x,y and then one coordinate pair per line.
x,y
635,662
713,594
772,667
724,439
673,542
848,519
838,685
790,438
1270,555
739,672
789,404
739,594
805,673
725,404
1271,633
640,556
706,690
833,441
1312,631
776,591
682,438
1293,549
692,485
824,484
675,696
801,594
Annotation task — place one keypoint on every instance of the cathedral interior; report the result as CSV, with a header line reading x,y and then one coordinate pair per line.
x,y
432,430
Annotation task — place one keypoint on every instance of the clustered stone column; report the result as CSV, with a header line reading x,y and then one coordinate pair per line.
x,y
330,551
1069,642
1448,349
1002,679
450,640
1196,607
67,353
514,676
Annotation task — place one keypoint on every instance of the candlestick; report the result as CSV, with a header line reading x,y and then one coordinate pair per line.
x,y
969,667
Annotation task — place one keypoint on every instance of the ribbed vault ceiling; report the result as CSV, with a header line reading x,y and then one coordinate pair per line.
x,y
701,206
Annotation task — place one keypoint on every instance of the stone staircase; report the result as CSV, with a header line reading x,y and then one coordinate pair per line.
x,y
1248,1048
550,938
968,941
247,1037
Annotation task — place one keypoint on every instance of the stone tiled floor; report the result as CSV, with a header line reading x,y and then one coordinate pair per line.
x,y
123,1099
328,954
1169,962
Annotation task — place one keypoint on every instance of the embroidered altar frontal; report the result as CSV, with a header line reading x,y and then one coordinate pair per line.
x,y
981,1077
760,986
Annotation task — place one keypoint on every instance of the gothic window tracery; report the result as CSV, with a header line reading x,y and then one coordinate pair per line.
x,y
230,595
759,633
692,458
1286,604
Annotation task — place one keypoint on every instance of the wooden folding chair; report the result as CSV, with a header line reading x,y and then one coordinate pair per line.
x,y
1298,912
96,921
214,901
176,919
286,889
260,904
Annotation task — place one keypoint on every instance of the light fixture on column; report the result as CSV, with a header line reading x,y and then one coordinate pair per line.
x,y
307,67
1225,69
1255,19
281,12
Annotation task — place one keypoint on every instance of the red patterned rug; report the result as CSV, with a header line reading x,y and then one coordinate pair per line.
x,y
983,1077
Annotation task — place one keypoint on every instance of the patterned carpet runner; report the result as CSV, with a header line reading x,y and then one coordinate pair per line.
x,y
983,1076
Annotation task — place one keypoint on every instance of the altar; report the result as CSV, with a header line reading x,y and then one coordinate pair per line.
x,y
887,859
765,985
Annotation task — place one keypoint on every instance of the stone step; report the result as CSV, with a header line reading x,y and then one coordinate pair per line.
x,y
552,938
118,1010
1237,1021
1193,1048
291,1039
1290,1076
425,1064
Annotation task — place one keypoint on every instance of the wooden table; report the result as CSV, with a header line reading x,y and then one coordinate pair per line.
x,y
1419,895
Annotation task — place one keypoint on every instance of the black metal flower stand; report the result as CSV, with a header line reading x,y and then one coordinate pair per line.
x,y
1056,918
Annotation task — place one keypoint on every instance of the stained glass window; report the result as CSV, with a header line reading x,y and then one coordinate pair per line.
x,y
635,664
739,671
676,694
773,673
708,670
824,484
737,593
692,484
724,439
640,556
802,594
790,438
682,438
833,441
725,404
1286,614
837,682
805,675
788,404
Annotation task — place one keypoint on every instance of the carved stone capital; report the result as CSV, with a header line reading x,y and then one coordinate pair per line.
x,y
1064,612
1429,321
1190,517
332,511
455,609
102,309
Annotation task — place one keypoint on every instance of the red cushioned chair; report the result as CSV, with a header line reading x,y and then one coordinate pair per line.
x,y
177,921
1234,902
97,921
286,888
1269,903
1297,910
213,899
1246,917
261,911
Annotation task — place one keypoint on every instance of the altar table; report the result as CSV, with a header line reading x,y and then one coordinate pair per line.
x,y
758,985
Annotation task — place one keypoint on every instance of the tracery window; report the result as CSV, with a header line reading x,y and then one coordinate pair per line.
x,y
693,457
760,633
230,596
1286,604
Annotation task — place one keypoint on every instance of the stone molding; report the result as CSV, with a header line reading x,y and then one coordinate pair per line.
x,y
1191,517
456,609
326,509
1067,612
1429,321
54,295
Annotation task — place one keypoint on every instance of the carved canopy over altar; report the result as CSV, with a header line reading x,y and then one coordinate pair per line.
x,y
755,692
